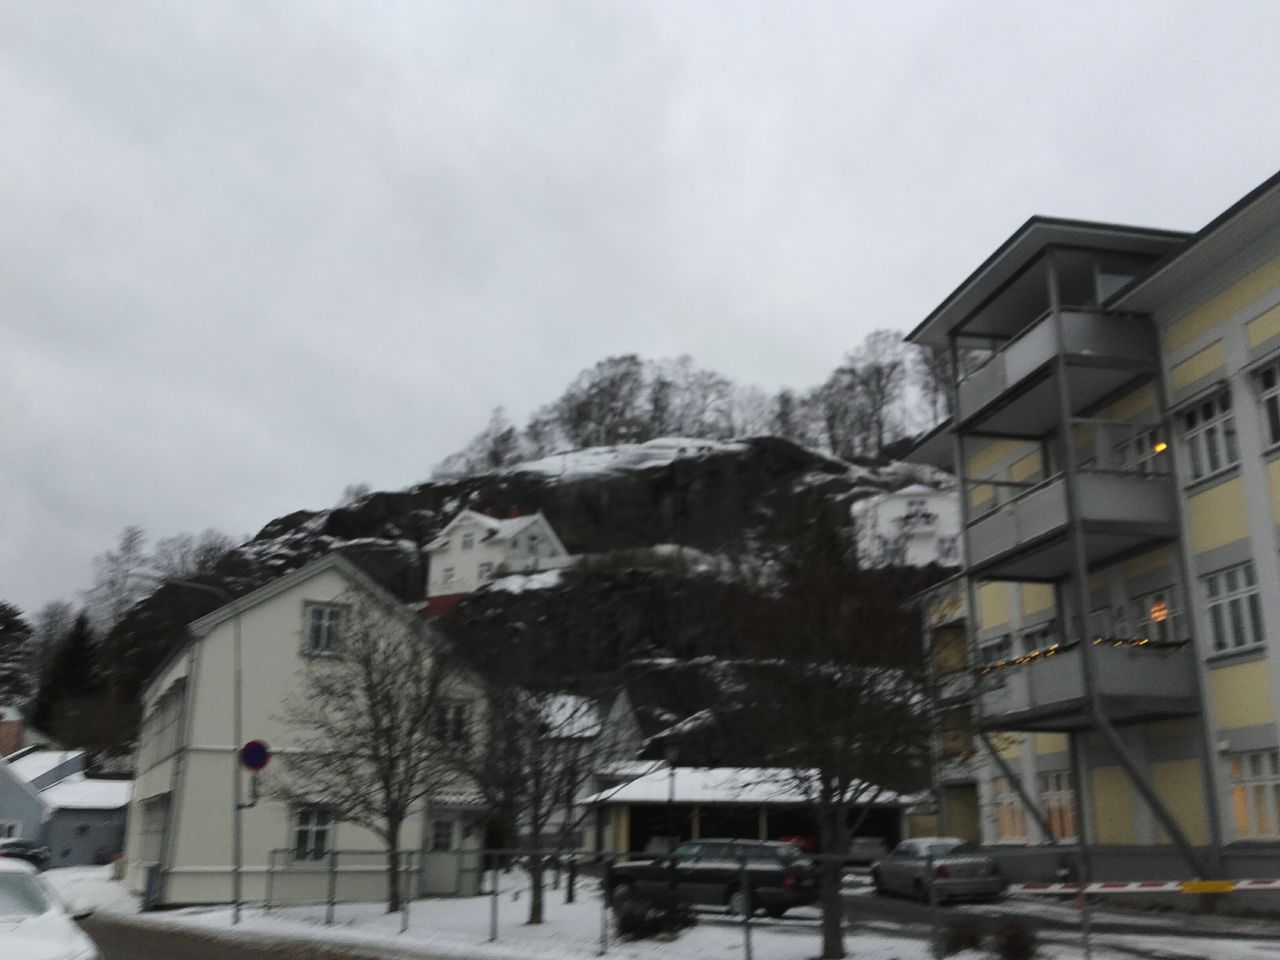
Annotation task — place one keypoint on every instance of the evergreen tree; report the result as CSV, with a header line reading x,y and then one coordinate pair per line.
x,y
72,676
15,659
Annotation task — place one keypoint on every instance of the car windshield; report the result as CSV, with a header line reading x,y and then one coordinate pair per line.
x,y
21,896
949,848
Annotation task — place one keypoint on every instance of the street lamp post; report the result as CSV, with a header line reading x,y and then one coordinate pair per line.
x,y
237,737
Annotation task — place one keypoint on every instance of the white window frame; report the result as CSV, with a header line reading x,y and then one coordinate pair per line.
x,y
326,619
1011,815
948,548
1209,429
313,839
1267,381
452,722
485,571
468,540
1139,455
447,575
443,833
1234,606
1255,794
1058,800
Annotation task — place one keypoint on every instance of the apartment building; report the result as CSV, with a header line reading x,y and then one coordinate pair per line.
x,y
1109,656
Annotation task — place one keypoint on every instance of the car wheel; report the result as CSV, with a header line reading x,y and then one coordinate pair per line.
x,y
881,889
620,893
740,902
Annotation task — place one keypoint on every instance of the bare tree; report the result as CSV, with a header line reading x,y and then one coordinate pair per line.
x,y
353,493
367,746
115,588
847,717
931,369
879,369
604,405
750,412
187,555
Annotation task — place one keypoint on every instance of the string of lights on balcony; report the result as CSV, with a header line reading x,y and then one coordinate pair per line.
x,y
1055,648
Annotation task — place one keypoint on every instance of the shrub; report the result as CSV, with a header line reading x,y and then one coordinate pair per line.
x,y
1015,941
962,934
650,915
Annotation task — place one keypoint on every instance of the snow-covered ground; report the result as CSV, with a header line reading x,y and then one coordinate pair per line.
x,y
460,928
91,888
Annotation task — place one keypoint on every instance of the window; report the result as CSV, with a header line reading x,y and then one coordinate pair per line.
x,y
1269,394
1000,649
1235,613
1142,453
155,821
1255,793
468,541
1156,616
917,506
161,728
1011,817
441,834
324,628
1210,429
8,829
446,575
1059,803
485,570
1038,637
453,722
313,827
949,549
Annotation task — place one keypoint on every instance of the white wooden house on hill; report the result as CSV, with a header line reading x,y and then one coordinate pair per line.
x,y
475,548
914,526
181,821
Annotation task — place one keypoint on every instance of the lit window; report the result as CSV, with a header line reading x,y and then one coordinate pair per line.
x,y
312,827
1269,395
1156,616
441,834
468,541
1059,803
1210,429
1235,612
324,628
1255,793
485,570
1011,816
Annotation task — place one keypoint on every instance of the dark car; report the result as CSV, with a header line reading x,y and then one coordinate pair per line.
x,y
34,854
710,872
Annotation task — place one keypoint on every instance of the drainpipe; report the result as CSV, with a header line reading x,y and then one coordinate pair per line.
x,y
1081,576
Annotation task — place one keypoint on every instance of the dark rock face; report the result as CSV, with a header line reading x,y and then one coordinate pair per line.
x,y
709,496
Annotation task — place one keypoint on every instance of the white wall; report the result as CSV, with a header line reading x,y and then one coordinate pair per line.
x,y
534,548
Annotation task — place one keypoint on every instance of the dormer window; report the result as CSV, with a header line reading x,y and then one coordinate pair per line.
x,y
468,540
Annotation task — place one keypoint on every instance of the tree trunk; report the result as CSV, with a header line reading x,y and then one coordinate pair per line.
x,y
535,887
393,866
829,873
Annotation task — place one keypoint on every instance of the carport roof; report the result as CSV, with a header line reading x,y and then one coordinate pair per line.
x,y
754,786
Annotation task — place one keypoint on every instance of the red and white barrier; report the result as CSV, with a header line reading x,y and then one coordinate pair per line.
x,y
1148,886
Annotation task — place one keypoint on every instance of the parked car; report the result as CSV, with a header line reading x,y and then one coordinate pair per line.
x,y
27,850
34,922
960,870
709,872
866,849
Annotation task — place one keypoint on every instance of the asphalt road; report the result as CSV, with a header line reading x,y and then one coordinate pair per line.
x,y
119,939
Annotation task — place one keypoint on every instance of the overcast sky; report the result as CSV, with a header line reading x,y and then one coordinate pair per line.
x,y
253,252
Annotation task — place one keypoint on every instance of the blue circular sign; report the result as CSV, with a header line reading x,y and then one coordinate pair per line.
x,y
255,755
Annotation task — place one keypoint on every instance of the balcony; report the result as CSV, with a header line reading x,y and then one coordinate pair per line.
x,y
1104,351
1136,683
1027,537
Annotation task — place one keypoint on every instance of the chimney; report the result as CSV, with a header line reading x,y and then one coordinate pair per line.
x,y
10,730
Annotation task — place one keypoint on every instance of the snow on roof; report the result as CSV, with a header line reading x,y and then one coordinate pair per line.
x,y
78,792
571,717
39,762
520,582
9,713
752,785
629,456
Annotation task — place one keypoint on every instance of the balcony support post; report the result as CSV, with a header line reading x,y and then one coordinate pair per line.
x,y
1016,782
1080,573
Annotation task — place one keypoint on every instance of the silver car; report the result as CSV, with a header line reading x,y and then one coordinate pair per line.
x,y
955,867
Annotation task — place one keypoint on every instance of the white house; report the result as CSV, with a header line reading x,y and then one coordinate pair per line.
x,y
475,548
179,847
914,526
